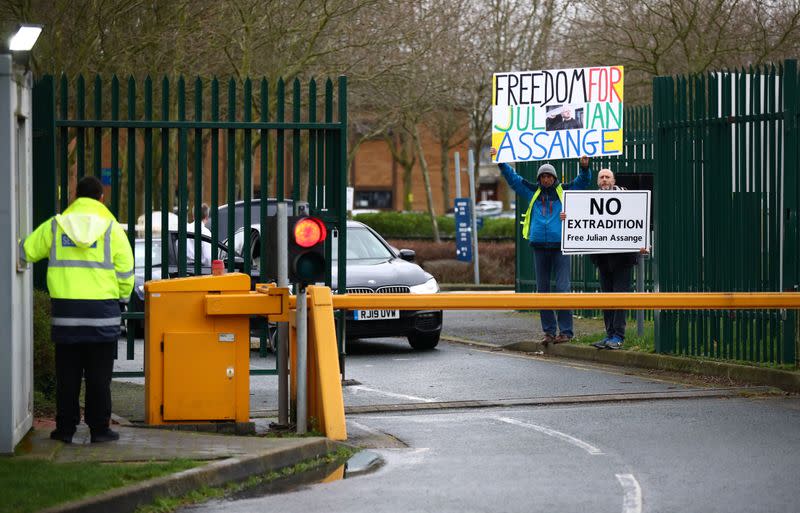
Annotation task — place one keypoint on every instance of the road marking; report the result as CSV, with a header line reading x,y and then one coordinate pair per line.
x,y
632,502
391,394
406,457
365,428
591,449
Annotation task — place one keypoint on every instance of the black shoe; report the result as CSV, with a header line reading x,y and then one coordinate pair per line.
x,y
105,436
61,436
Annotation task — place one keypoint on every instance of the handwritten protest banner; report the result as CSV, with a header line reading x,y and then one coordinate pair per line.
x,y
605,221
557,114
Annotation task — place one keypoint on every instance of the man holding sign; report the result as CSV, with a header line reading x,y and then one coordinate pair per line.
x,y
614,269
542,229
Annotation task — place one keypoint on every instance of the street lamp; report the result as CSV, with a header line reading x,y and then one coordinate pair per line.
x,y
21,43
25,38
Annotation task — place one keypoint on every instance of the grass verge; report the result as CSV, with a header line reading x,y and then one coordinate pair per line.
x,y
170,504
646,343
29,485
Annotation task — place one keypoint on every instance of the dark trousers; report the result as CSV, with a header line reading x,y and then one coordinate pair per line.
x,y
617,280
95,362
552,263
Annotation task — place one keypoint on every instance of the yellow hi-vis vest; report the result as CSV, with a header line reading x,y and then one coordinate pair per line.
x,y
526,224
90,270
89,254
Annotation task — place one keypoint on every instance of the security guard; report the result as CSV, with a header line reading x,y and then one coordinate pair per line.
x,y
90,270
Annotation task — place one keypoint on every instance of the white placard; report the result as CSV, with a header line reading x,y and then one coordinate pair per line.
x,y
605,222
557,114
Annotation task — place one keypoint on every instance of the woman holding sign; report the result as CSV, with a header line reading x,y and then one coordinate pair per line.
x,y
542,229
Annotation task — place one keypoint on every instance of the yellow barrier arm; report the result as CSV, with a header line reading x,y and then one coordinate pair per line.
x,y
568,301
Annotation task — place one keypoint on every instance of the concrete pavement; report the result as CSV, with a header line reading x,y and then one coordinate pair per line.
x,y
230,458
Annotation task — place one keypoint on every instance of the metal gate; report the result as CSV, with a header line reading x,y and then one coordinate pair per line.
x,y
172,145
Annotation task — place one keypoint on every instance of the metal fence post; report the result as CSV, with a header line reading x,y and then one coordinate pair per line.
x,y
526,276
44,165
791,200
283,327
475,258
301,372
661,99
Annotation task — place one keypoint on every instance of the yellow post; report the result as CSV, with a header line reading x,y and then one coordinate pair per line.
x,y
325,401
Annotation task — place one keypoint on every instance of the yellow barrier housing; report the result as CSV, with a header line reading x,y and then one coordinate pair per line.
x,y
197,350
197,366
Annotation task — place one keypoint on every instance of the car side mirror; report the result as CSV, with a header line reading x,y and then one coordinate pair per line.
x,y
407,254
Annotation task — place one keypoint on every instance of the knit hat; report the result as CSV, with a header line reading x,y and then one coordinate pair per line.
x,y
546,169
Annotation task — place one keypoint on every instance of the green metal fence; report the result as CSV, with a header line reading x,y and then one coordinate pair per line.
x,y
723,147
726,207
172,145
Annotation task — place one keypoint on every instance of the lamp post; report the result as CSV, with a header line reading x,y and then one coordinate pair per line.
x,y
16,283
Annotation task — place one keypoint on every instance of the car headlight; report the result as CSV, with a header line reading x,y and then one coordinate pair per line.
x,y
429,287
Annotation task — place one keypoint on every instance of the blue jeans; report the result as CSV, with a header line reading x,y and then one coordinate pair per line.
x,y
549,262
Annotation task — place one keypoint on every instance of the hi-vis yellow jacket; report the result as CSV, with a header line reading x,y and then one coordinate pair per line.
x,y
90,270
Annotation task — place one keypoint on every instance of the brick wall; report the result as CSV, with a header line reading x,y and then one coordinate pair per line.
x,y
374,169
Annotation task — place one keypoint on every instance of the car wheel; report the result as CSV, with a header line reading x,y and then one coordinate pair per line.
x,y
424,341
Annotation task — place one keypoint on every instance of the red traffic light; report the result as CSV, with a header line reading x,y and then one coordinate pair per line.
x,y
309,232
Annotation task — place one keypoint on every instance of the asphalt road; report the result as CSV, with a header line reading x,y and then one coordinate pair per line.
x,y
708,455
734,454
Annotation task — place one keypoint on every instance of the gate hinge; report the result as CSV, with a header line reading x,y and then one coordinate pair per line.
x,y
162,409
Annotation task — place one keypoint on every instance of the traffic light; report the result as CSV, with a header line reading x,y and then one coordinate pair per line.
x,y
306,250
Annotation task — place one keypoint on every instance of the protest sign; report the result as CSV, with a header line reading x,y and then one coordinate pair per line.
x,y
557,114
605,221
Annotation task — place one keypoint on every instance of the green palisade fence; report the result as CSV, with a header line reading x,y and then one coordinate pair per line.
x,y
723,147
726,198
172,144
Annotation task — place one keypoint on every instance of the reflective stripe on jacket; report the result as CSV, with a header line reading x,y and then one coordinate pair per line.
x,y
90,269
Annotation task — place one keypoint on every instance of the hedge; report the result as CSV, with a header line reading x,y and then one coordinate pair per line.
x,y
416,225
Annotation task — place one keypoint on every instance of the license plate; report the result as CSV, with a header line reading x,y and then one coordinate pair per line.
x,y
375,315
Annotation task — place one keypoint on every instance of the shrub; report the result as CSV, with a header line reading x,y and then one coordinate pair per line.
x,y
406,224
497,261
400,225
44,367
497,228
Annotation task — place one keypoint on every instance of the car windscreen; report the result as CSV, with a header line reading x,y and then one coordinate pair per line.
x,y
363,245
139,252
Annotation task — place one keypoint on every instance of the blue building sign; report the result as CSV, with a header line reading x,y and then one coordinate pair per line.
x,y
463,230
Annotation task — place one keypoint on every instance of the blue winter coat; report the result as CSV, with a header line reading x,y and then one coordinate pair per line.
x,y
545,231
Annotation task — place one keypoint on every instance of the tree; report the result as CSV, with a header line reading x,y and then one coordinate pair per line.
x,y
662,37
509,35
